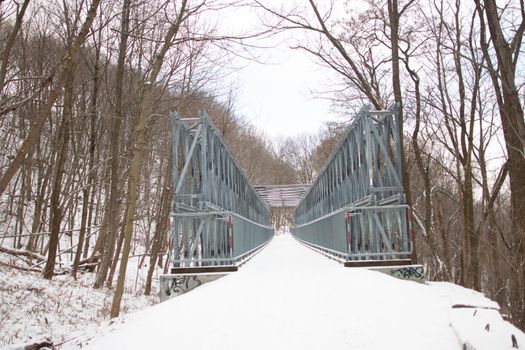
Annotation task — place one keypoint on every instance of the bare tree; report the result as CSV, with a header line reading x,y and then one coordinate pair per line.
x,y
113,219
161,225
8,47
502,70
138,148
57,213
299,153
64,71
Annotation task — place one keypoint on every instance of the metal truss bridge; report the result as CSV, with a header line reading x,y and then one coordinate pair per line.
x,y
288,296
355,210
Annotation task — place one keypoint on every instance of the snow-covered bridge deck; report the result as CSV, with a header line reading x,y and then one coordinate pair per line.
x,y
289,297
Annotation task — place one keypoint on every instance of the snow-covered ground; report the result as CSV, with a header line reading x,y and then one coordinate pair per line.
x,y
33,309
289,297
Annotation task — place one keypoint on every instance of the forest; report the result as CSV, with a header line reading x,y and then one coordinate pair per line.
x,y
86,85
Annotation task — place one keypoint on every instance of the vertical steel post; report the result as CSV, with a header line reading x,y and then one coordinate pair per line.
x,y
175,129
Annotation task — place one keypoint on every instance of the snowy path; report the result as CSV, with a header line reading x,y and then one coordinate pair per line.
x,y
289,297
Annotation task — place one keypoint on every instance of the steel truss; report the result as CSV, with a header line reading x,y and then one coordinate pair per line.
x,y
356,207
218,218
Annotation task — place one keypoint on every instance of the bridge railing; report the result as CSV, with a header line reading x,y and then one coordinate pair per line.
x,y
356,207
218,218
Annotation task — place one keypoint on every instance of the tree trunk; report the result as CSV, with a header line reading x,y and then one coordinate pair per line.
x,y
82,232
394,15
470,264
90,170
160,229
40,202
56,210
92,196
139,138
118,249
513,123
114,218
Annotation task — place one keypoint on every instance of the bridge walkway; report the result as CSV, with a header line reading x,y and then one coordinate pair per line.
x,y
290,297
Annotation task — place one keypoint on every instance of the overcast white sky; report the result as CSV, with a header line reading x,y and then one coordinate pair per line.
x,y
275,95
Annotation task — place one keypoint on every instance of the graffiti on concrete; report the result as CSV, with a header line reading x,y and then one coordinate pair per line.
x,y
182,284
172,285
413,273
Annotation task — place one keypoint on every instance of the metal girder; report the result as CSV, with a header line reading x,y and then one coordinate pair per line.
x,y
218,218
356,207
282,195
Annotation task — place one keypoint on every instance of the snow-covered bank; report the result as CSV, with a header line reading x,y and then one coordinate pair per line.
x,y
32,308
289,297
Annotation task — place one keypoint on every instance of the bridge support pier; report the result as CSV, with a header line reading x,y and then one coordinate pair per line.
x,y
414,272
175,284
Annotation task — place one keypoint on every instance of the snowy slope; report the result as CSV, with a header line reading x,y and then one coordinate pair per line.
x,y
33,309
289,297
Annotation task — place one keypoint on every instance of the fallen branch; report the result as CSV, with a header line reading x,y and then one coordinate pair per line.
x,y
89,261
463,306
89,267
19,252
34,346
